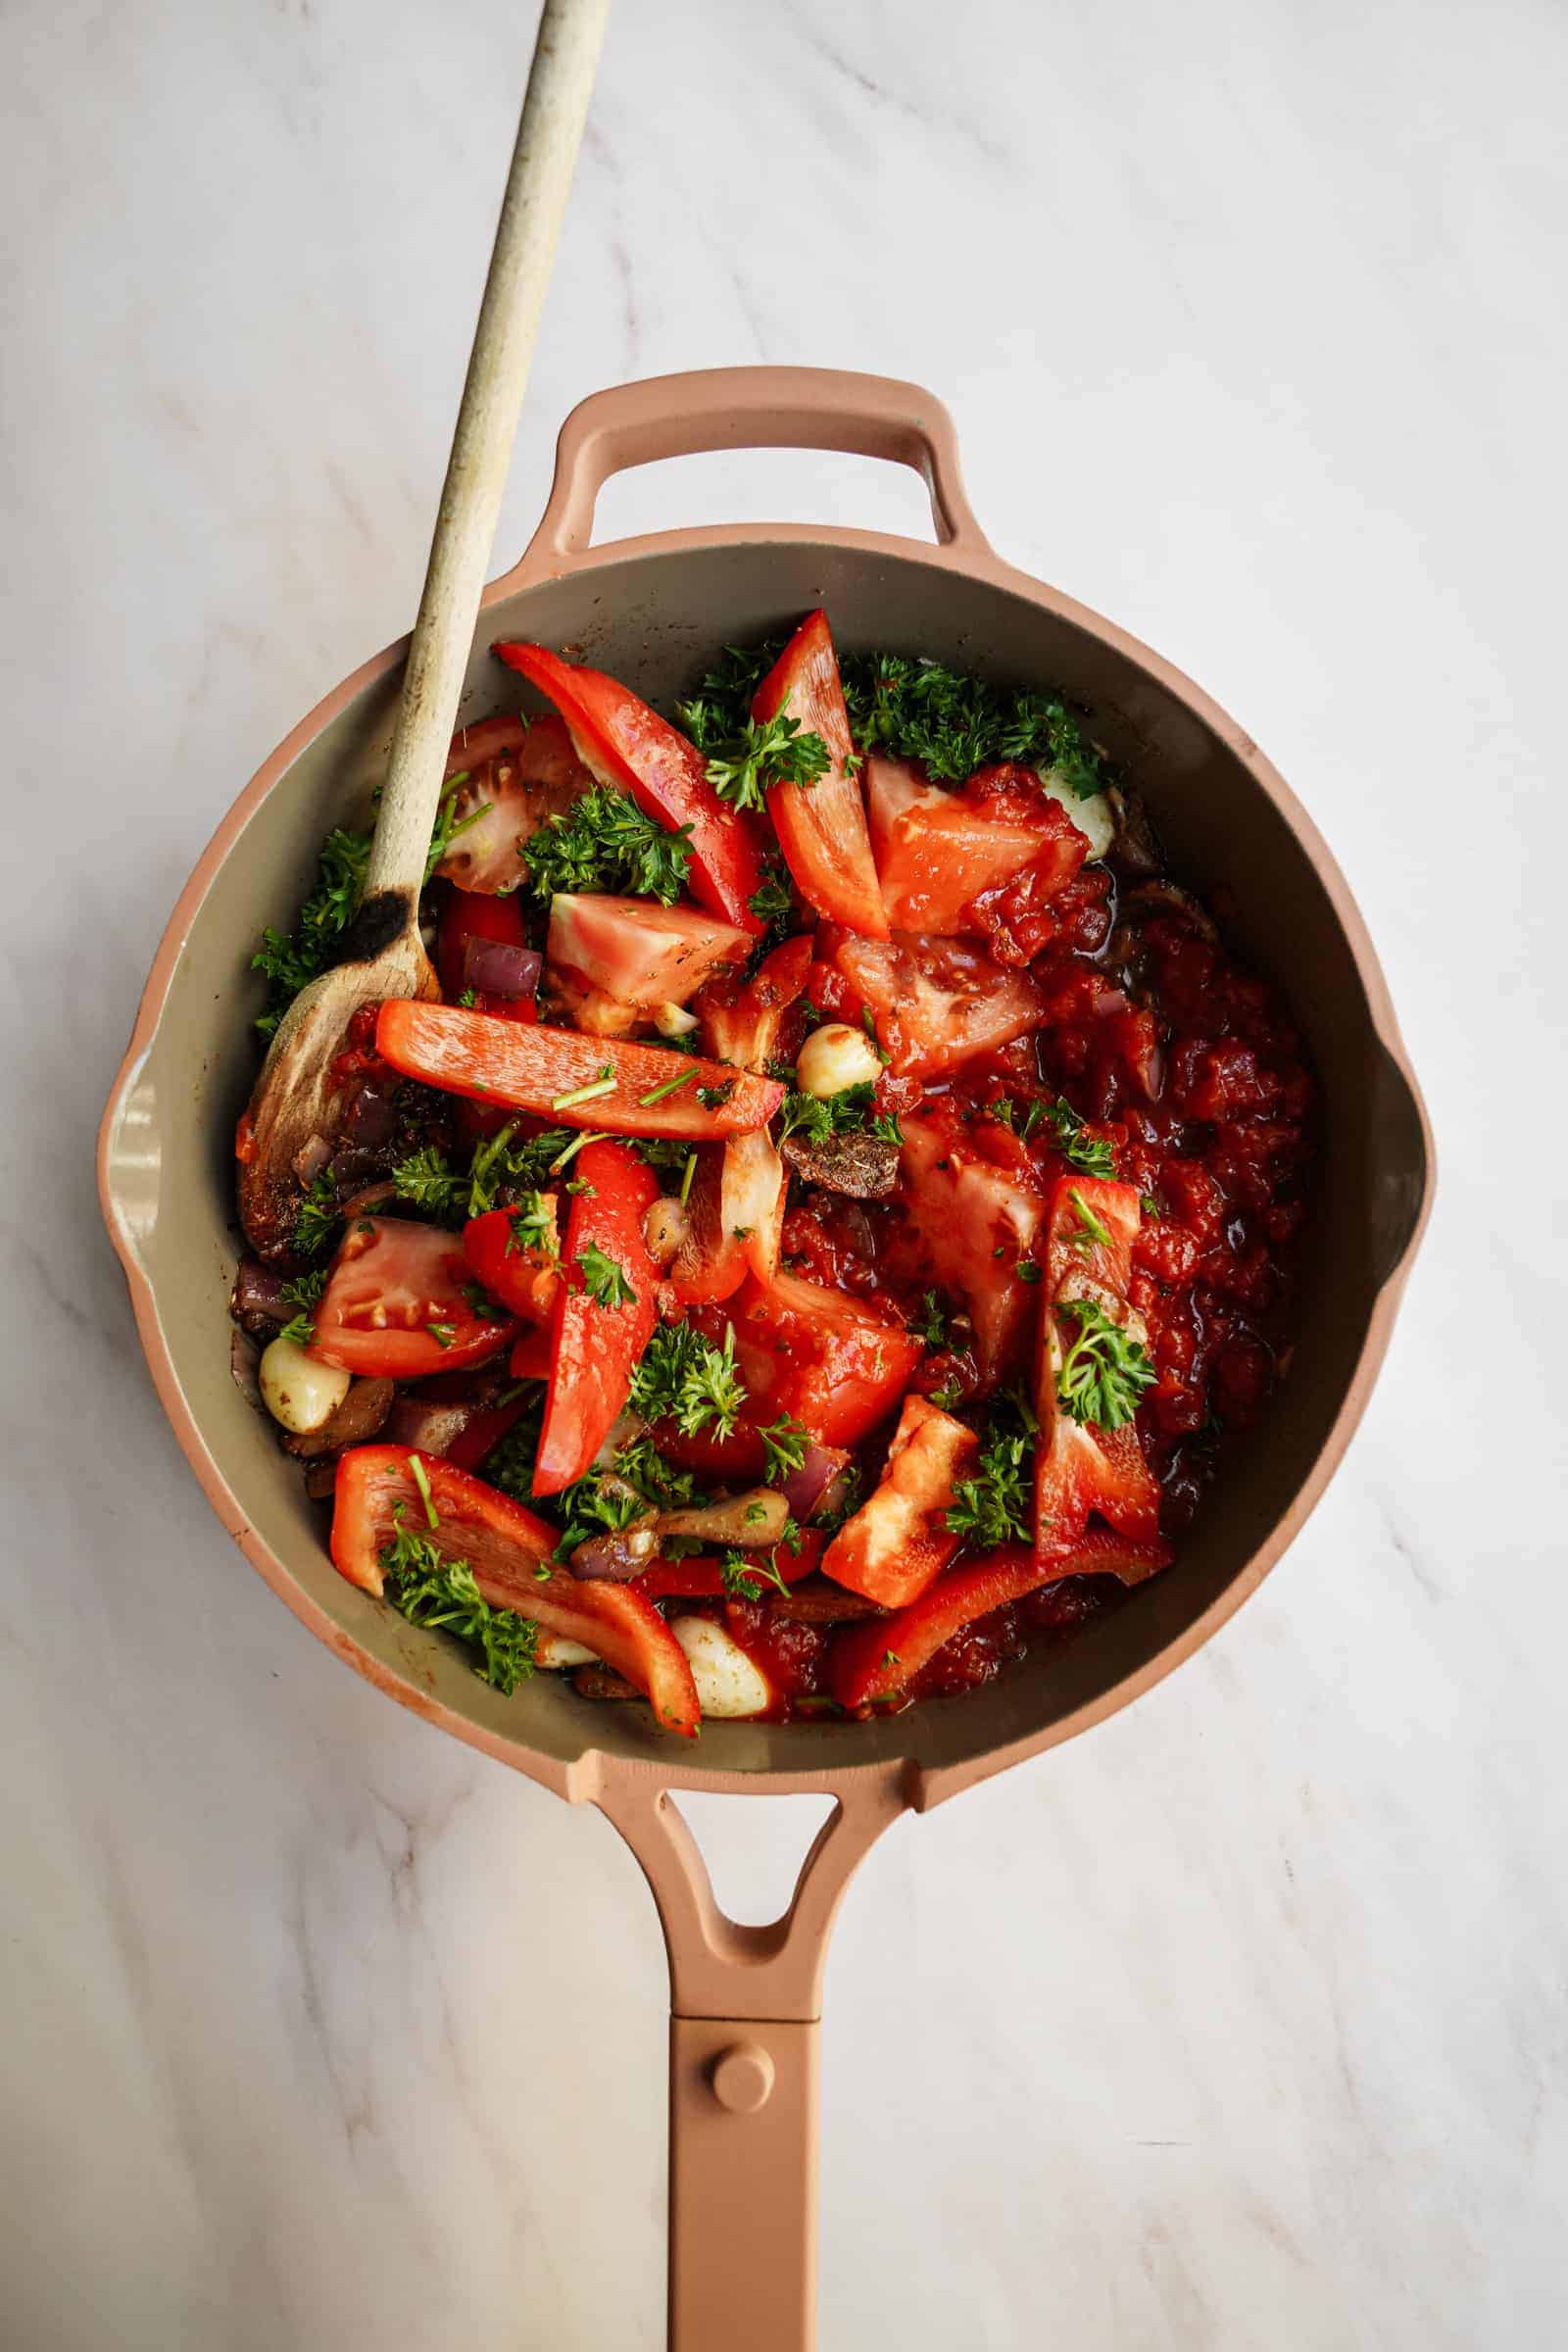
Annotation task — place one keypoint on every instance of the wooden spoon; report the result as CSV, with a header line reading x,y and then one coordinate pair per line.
x,y
382,953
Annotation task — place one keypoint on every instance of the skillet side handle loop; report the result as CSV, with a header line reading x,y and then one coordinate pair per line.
x,y
744,2031
746,407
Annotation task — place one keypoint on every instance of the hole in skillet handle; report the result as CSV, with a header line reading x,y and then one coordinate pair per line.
x,y
754,1848
764,485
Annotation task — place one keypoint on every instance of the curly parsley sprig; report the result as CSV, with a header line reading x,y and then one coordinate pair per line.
x,y
687,1379
1104,1372
603,842
431,1588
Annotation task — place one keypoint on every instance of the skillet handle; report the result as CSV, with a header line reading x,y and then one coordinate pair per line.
x,y
743,407
746,2006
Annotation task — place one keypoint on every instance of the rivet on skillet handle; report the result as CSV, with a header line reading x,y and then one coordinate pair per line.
x,y
746,2007
745,408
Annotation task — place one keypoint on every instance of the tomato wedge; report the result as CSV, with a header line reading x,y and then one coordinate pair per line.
x,y
522,1277
937,1001
827,1360
397,1306
630,747
874,1660
945,857
1080,1467
539,1069
617,960
821,826
974,1225
509,1552
516,775
742,1018
605,1310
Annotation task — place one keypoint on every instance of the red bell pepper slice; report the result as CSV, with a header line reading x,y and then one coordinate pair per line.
x,y
396,1304
525,1279
539,1069
821,826
898,1543
594,1347
509,1552
483,1434
473,915
703,1579
530,1354
880,1657
631,748
1080,1467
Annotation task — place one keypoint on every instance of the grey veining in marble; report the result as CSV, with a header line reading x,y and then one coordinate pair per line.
x,y
1238,2023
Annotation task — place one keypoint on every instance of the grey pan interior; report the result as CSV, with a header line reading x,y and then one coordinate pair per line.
x,y
652,617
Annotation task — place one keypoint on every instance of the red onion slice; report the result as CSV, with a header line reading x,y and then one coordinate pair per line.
x,y
258,1294
369,1118
805,1487
497,969
616,1557
310,1158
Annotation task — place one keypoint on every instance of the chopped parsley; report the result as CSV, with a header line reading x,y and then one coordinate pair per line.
x,y
765,751
819,1116
785,1441
742,1574
1093,1231
997,1504
603,1280
603,842
772,901
931,1323
433,1588
291,960
317,1217
1022,1119
688,1380
1104,1372
533,1226
303,1292
956,724
1090,1153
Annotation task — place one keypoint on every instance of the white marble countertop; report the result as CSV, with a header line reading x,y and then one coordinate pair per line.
x,y
1240,2023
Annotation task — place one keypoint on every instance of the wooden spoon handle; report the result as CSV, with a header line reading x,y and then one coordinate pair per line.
x,y
554,111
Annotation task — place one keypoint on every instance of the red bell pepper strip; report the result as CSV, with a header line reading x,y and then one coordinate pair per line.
x,y
525,1279
396,1304
541,1069
631,748
595,1347
530,1354
880,1657
898,1543
1080,1467
702,1579
509,1552
476,914
821,826
483,1434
